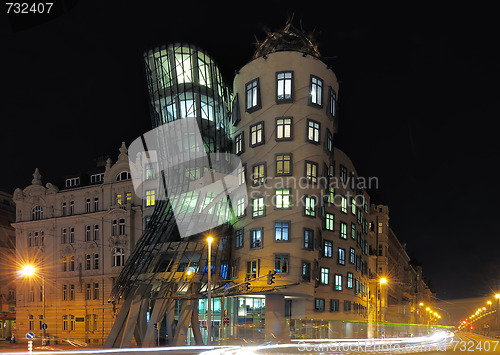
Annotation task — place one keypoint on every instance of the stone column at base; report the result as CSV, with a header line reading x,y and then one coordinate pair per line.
x,y
275,319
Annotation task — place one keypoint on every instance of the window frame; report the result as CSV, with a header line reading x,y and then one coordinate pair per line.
x,y
284,259
256,132
320,84
249,88
314,129
263,209
253,234
313,178
261,179
311,242
286,225
322,274
277,128
292,87
239,143
290,164
341,254
283,196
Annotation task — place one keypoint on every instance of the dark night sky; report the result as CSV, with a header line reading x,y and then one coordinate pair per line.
x,y
418,100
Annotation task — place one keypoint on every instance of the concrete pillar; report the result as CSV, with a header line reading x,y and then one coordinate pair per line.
x,y
275,319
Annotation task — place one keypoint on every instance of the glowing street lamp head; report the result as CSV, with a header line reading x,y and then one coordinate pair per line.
x,y
383,280
497,296
28,270
210,239
489,302
421,304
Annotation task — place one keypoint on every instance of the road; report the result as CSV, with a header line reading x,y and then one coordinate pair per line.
x,y
437,344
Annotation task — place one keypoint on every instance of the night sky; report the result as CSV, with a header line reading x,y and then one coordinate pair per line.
x,y
418,104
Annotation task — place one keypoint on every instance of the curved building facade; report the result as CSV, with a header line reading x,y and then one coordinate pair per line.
x,y
306,217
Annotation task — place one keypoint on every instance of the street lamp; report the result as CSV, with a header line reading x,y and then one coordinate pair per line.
x,y
28,271
497,296
210,239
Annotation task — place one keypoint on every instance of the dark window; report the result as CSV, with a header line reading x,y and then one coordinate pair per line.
x,y
238,236
308,238
332,102
306,271
281,263
334,305
319,304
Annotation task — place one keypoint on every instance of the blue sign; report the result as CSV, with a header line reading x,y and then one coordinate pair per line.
x,y
44,326
30,335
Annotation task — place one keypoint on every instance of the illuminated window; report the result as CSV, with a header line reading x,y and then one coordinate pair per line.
x,y
281,263
310,206
240,207
311,172
284,129
327,248
256,238
343,204
281,230
284,87
283,198
257,134
128,197
258,207
150,198
338,283
316,91
341,256
150,172
283,164
349,280
252,269
313,128
118,199
252,90
343,230
259,174
324,275
242,174
329,221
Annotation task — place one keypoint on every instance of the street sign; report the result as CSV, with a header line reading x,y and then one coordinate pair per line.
x,y
30,335
44,326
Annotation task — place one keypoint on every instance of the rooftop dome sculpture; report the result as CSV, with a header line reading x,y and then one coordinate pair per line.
x,y
288,39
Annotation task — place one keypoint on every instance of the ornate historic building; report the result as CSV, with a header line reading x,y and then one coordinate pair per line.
x,y
7,259
77,237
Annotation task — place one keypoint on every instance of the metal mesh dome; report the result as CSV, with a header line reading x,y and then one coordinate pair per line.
x,y
288,39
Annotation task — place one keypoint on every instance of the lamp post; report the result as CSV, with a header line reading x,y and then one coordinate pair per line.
x,y
30,270
497,296
209,308
383,281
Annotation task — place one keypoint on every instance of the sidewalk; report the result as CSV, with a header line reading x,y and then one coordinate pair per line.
x,y
6,346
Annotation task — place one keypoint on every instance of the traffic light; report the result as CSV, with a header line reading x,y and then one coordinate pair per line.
x,y
225,320
155,325
270,277
246,286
